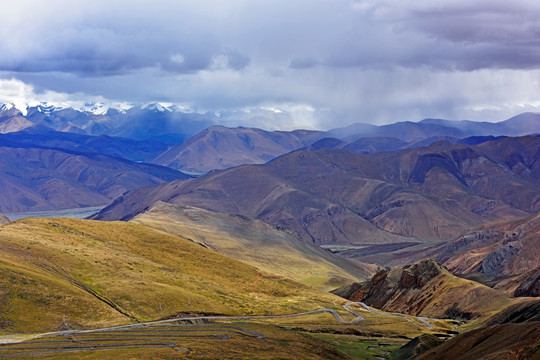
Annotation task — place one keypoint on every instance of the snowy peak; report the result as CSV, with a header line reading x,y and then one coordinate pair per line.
x,y
100,108
155,107
22,108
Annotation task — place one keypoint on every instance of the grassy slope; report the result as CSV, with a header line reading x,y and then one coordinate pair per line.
x,y
50,266
258,244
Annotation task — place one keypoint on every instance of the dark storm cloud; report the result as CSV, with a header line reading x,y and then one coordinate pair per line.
x,y
99,45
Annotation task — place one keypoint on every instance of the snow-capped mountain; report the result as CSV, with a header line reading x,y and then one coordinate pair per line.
x,y
151,121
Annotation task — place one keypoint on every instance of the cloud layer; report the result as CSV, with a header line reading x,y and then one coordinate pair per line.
x,y
365,60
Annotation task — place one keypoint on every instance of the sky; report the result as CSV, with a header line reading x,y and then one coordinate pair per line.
x,y
325,63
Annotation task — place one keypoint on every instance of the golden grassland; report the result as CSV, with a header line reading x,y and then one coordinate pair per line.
x,y
105,273
258,244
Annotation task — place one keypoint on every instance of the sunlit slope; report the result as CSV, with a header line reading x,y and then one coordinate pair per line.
x,y
257,243
99,273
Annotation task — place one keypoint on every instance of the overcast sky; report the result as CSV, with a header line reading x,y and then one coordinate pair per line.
x,y
331,62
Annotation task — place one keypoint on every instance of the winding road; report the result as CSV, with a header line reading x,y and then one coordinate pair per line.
x,y
162,333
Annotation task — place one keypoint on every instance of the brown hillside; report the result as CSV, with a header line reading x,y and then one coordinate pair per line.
x,y
332,196
504,249
41,178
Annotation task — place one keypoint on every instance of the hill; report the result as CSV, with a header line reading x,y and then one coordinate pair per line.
x,y
40,178
426,289
99,273
219,147
258,244
331,196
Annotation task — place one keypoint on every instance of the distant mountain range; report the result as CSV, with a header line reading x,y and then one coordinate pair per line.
x,y
333,196
191,142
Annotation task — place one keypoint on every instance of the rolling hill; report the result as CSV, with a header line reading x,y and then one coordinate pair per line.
x,y
258,244
101,273
504,341
38,178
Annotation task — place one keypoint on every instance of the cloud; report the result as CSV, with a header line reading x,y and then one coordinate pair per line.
x,y
87,40
350,60
20,93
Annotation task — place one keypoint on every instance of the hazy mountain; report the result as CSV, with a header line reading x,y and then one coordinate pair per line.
x,y
156,122
129,149
333,196
522,124
39,178
405,131
519,125
219,147
368,145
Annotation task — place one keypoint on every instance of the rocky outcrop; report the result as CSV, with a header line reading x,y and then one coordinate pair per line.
x,y
4,220
493,262
501,250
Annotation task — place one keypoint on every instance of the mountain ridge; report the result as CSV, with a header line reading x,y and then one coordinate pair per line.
x,y
333,196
